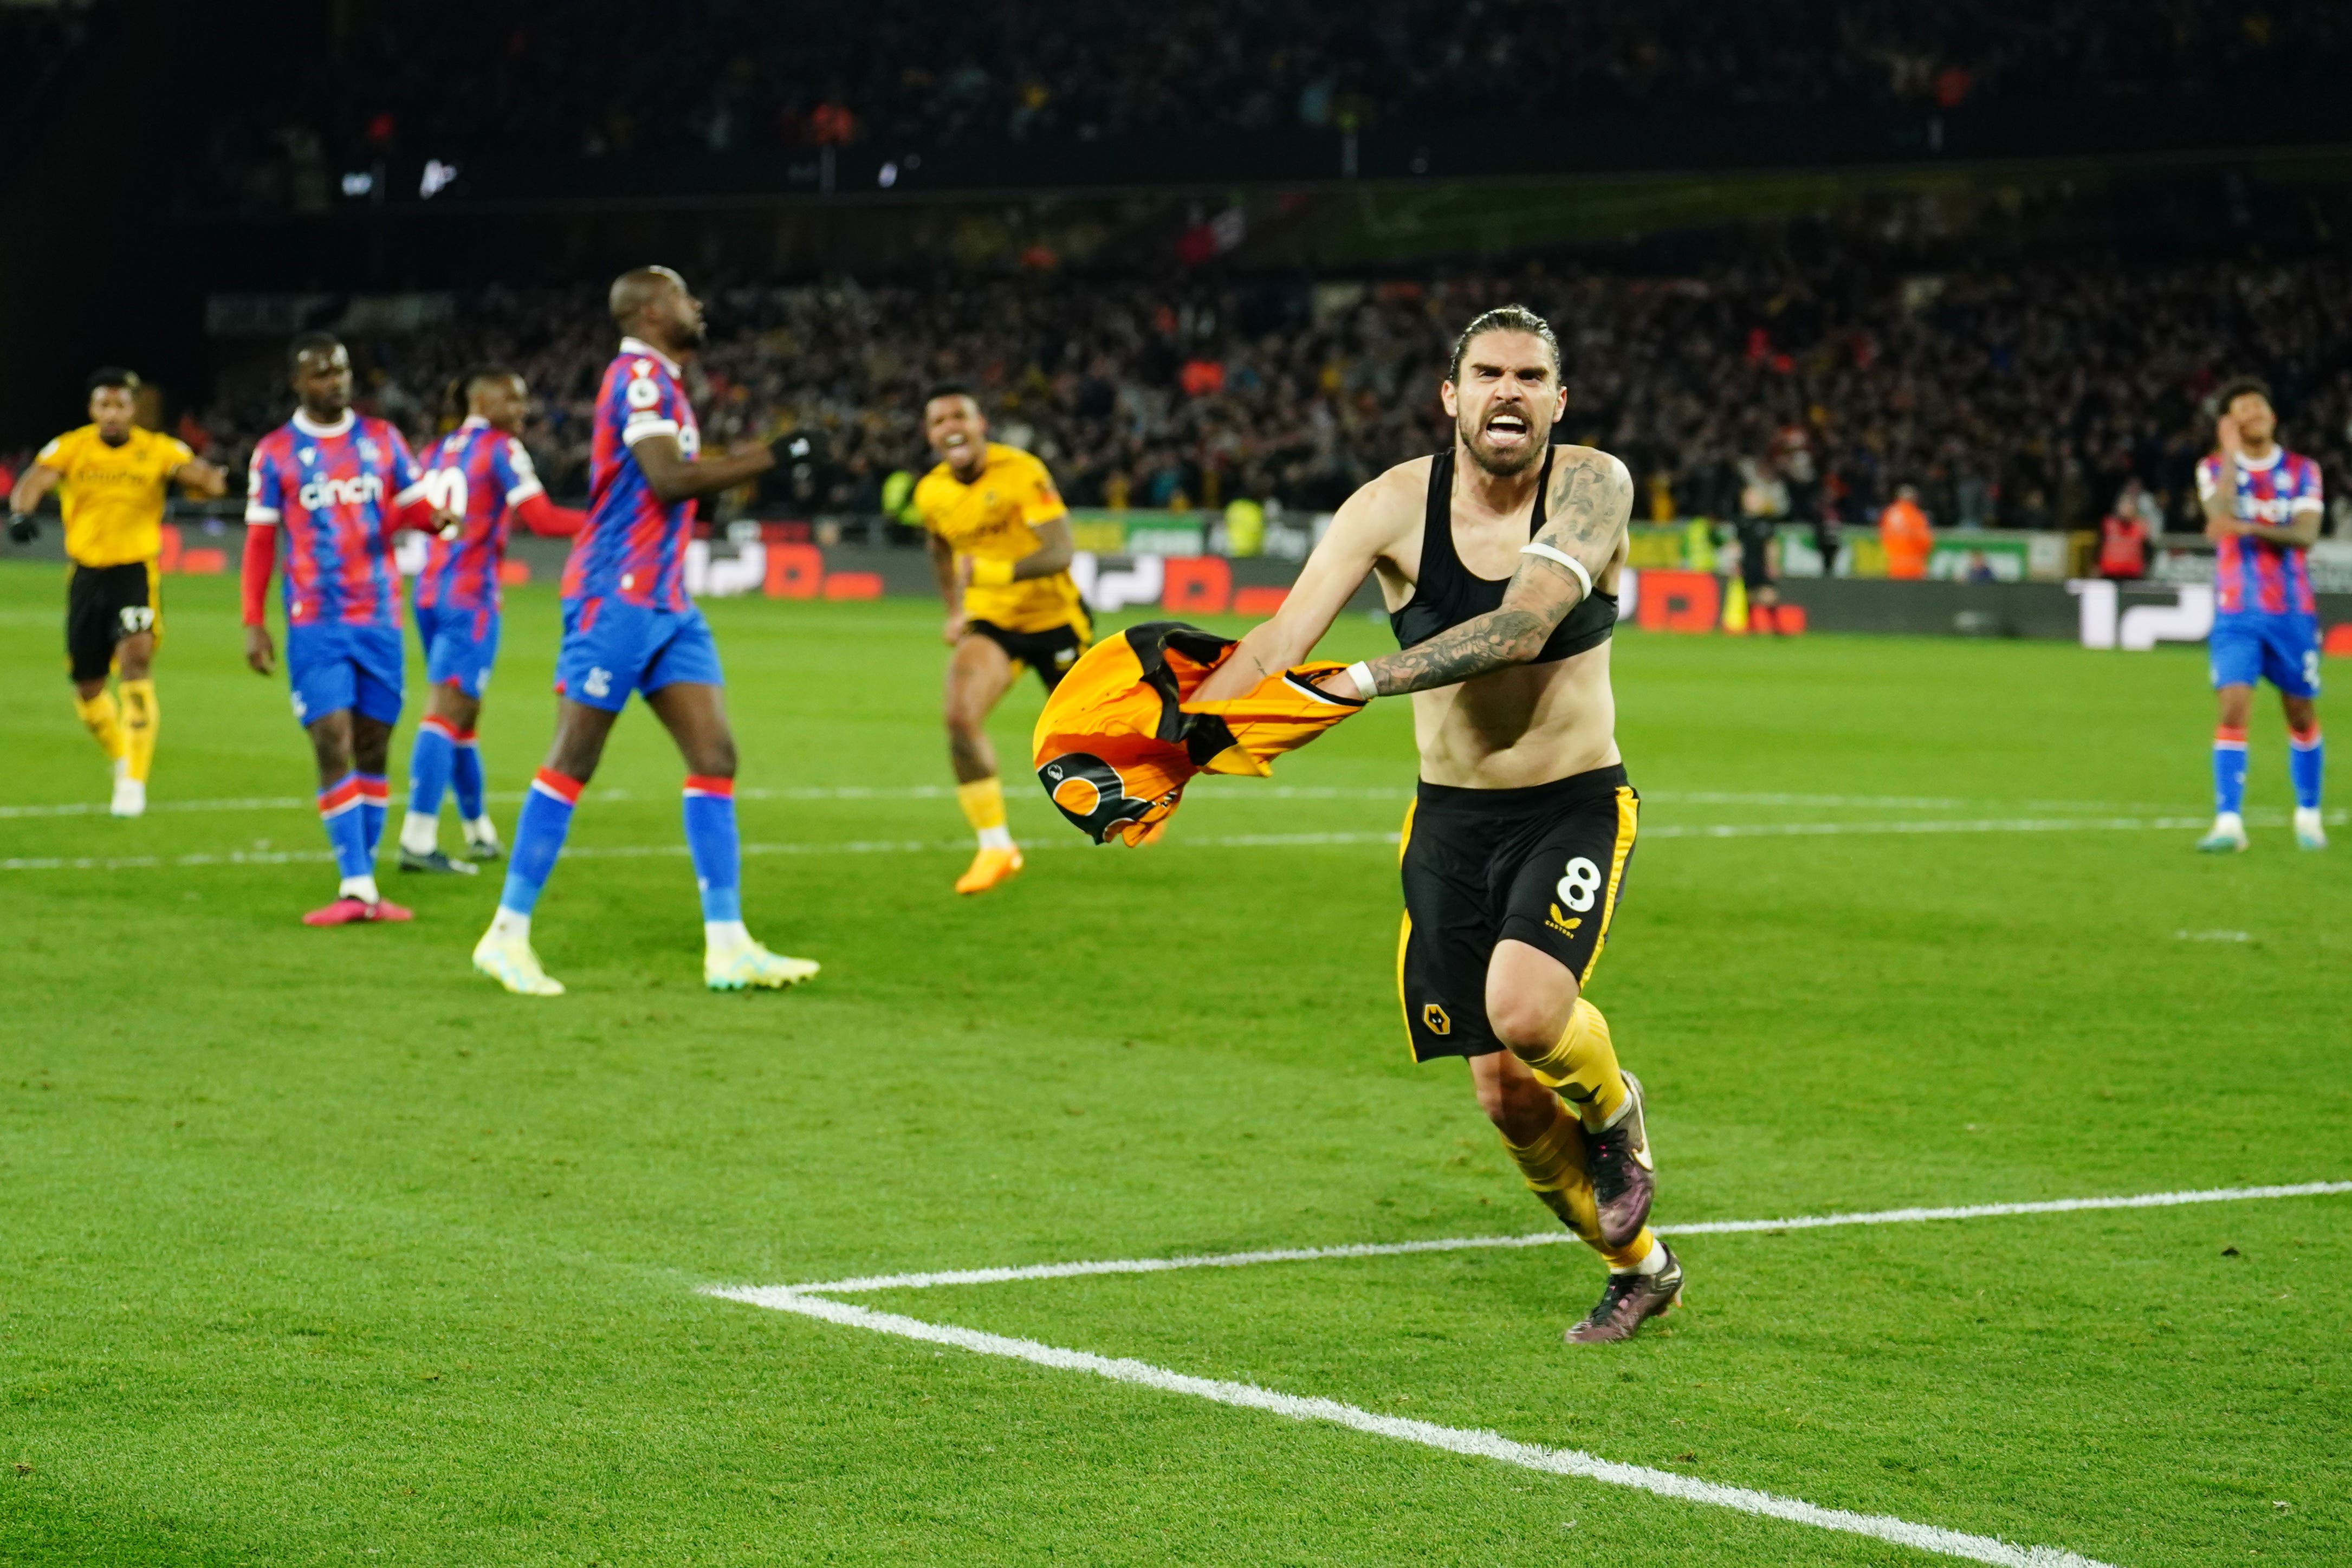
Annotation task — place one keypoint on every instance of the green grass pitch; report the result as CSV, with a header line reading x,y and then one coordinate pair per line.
x,y
320,1249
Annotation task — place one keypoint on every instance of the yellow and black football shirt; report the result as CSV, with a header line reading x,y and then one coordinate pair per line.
x,y
995,517
113,496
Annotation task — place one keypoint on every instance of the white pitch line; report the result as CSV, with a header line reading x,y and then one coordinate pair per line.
x,y
1219,841
1469,1442
1553,1238
1205,790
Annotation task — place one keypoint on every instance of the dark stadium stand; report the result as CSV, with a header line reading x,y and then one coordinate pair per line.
x,y
2020,396
537,99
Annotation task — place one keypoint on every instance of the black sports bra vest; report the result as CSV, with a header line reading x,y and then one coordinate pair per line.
x,y
1448,594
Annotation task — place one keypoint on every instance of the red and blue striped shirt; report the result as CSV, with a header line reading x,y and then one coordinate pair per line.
x,y
2255,577
331,491
633,546
482,474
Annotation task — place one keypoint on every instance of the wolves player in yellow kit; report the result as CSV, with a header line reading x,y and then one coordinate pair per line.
x,y
111,479
1000,539
1500,559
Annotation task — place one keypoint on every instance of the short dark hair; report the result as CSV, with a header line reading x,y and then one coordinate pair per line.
x,y
2237,386
114,376
949,389
458,396
1504,318
310,343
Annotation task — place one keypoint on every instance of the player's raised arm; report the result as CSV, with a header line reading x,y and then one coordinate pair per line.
x,y
205,481
675,477
1590,504
1361,530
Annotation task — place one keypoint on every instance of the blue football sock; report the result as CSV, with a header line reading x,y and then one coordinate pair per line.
x,y
2229,770
717,854
375,799
539,829
2305,760
466,774
344,816
429,762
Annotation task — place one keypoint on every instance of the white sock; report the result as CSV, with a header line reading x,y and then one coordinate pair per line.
x,y
725,936
360,888
481,830
507,925
996,838
420,833
2229,822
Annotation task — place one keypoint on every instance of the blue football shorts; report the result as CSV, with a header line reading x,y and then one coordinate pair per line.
x,y
2281,649
333,666
612,648
460,645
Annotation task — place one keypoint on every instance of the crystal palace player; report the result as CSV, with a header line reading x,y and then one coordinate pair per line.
x,y
2262,512
480,471
629,626
334,486
1499,558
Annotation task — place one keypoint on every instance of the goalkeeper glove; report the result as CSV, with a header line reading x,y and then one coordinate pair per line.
x,y
23,527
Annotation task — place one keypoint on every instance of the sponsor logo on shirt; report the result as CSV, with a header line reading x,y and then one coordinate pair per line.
x,y
319,494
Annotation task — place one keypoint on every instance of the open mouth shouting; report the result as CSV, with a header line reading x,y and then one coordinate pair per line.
x,y
1503,429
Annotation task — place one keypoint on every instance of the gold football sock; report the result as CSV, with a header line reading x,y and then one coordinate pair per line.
x,y
1554,1167
984,807
1629,1258
99,714
139,716
1582,1067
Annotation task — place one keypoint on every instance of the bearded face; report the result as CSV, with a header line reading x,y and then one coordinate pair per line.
x,y
1505,401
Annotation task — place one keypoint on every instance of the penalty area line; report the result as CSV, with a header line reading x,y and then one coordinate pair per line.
x,y
1548,1238
1471,1443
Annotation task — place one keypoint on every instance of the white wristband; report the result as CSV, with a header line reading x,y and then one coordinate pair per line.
x,y
1361,674
1561,557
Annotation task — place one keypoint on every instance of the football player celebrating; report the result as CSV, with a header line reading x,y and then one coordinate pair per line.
x,y
1499,558
2262,511
111,478
480,471
1000,541
629,626
335,485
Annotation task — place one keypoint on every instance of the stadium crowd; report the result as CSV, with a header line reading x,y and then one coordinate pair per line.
x,y
452,78
1773,386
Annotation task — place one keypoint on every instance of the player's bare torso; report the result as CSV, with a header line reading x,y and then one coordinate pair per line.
x,y
1508,729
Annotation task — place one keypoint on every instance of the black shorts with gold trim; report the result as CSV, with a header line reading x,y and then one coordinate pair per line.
x,y
103,605
1050,652
1544,864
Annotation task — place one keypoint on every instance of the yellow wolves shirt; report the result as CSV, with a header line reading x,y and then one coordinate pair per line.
x,y
113,496
1121,735
994,518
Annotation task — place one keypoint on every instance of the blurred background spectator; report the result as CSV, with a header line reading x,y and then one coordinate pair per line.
x,y
1806,386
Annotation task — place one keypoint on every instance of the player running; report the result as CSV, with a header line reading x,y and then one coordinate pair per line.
x,y
1498,559
629,626
480,472
334,486
2261,510
111,478
1000,541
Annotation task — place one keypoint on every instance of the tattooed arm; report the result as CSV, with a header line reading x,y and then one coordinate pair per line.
x,y
1364,529
1589,502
